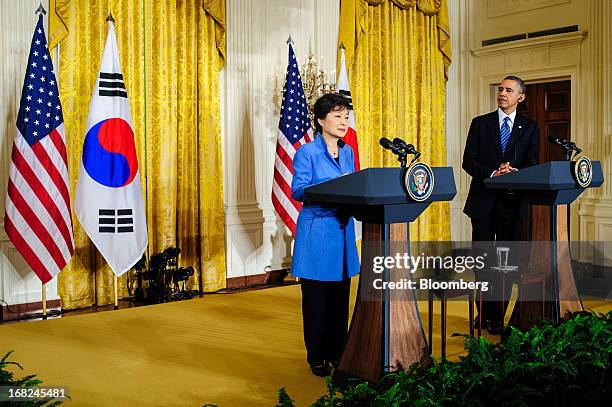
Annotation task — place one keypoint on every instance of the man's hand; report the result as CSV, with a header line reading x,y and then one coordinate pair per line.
x,y
504,169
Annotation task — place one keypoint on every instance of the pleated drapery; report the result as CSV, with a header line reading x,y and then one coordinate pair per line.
x,y
398,54
171,54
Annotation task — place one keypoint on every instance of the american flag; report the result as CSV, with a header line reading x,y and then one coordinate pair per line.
x,y
293,131
38,219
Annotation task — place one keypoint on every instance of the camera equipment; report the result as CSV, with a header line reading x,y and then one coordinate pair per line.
x,y
182,274
139,267
180,277
166,281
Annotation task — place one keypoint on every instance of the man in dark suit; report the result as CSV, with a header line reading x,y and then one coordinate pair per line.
x,y
498,143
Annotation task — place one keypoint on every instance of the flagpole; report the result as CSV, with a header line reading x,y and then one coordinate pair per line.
x,y
110,19
287,231
116,295
44,301
40,9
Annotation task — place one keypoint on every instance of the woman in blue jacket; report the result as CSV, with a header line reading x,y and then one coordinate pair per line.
x,y
325,254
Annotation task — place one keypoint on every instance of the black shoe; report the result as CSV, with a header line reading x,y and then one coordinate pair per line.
x,y
494,327
321,370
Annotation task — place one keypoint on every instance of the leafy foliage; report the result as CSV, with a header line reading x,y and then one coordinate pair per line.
x,y
548,365
7,378
283,399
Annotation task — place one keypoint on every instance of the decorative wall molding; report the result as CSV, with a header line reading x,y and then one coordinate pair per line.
x,y
457,114
595,209
600,90
18,284
496,8
21,310
325,36
596,226
557,40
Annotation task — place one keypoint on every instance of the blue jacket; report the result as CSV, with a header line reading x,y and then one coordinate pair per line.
x,y
325,248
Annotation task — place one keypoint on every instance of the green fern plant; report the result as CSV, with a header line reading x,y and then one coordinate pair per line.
x,y
8,379
552,365
283,399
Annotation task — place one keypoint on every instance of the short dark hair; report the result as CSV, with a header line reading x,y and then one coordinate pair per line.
x,y
327,103
522,88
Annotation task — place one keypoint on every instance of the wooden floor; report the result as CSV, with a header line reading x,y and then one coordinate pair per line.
x,y
227,349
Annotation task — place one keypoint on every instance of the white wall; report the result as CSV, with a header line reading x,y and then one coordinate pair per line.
x,y
256,238
457,113
18,284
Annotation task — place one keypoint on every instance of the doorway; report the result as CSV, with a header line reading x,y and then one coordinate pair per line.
x,y
549,104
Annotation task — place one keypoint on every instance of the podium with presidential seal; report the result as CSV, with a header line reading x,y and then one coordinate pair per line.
x,y
386,332
550,188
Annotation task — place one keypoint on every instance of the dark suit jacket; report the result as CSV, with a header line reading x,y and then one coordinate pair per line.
x,y
483,155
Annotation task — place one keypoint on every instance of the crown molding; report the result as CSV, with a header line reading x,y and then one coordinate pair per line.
x,y
573,38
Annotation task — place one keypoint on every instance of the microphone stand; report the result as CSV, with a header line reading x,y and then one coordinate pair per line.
x,y
402,158
567,146
416,156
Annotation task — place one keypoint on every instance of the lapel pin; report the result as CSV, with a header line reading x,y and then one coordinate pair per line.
x,y
520,127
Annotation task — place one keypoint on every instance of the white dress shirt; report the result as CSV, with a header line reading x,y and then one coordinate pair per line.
x,y
501,116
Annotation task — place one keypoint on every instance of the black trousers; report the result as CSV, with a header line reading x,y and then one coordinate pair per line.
x,y
502,224
325,306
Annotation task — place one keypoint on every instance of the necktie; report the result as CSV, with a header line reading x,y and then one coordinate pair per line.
x,y
505,134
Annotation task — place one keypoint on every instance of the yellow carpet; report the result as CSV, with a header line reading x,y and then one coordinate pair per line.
x,y
227,349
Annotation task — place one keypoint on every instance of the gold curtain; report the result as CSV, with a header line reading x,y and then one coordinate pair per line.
x,y
171,54
398,53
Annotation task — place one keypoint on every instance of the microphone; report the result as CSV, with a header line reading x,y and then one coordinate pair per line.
x,y
572,146
558,141
388,145
408,148
565,144
341,143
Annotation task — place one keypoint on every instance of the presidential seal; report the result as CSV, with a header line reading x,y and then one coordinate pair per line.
x,y
419,181
583,171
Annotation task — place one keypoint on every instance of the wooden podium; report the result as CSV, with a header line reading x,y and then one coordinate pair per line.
x,y
386,333
549,188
